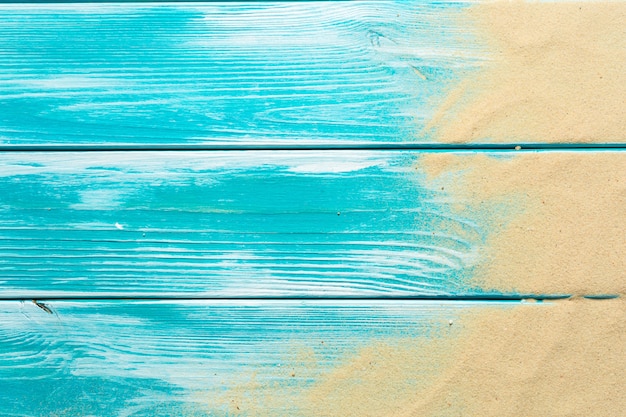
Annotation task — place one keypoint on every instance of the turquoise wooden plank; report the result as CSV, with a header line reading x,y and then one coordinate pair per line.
x,y
194,358
229,73
304,223
227,224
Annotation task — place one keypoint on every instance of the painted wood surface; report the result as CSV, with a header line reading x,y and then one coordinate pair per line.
x,y
226,224
192,358
243,224
85,236
230,73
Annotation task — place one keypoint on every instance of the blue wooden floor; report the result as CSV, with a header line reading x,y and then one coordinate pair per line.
x,y
155,278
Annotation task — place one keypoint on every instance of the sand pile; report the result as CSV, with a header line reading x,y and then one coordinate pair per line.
x,y
557,74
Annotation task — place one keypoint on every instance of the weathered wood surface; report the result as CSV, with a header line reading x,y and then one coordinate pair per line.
x,y
248,223
83,233
191,358
238,223
234,72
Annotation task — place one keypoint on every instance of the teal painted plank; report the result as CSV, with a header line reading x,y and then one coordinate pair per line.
x,y
193,358
224,224
305,223
232,73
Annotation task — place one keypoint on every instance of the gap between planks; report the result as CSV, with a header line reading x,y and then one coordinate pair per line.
x,y
505,147
312,299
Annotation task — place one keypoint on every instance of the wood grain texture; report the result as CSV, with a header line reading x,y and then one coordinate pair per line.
x,y
235,72
101,253
228,224
191,358
306,223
